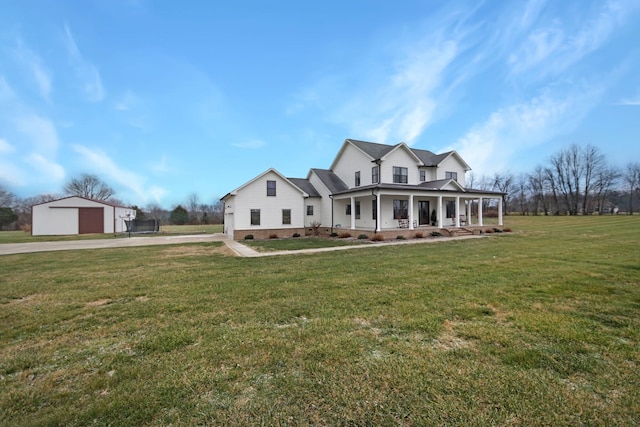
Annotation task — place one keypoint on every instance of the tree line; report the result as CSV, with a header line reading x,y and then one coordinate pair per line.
x,y
15,212
574,181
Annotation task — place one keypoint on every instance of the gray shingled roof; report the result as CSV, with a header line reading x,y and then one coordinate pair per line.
x,y
330,180
305,186
375,150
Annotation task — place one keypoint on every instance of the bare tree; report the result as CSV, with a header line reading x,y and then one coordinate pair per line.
x,y
604,182
522,193
504,183
537,186
193,207
89,186
7,198
632,179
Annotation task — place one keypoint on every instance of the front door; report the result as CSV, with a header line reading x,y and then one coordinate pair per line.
x,y
423,212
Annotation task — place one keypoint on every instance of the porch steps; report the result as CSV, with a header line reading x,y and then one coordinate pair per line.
x,y
457,232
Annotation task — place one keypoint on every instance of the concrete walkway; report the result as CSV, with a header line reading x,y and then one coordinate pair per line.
x,y
238,248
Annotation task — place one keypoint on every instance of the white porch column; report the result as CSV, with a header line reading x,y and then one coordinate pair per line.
x,y
411,212
500,211
457,222
353,213
480,212
377,213
469,202
439,211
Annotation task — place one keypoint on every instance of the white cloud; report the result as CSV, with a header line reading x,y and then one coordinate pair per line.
x,y
127,101
49,170
5,147
86,71
40,131
33,64
11,174
160,166
103,165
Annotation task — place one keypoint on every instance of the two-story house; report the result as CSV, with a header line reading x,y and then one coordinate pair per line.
x,y
368,188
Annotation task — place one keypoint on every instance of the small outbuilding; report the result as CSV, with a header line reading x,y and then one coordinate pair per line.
x,y
79,215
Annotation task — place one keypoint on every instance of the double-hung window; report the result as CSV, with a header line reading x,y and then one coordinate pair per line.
x,y
374,209
271,188
310,210
357,210
451,175
357,179
401,209
400,175
423,175
255,216
286,216
375,175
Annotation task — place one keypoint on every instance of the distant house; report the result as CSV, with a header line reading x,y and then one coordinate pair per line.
x,y
78,215
369,187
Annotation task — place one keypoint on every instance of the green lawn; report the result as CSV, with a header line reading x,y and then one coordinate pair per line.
x,y
540,326
25,237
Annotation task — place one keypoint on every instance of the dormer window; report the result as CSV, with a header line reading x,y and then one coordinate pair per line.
x,y
357,179
451,175
400,175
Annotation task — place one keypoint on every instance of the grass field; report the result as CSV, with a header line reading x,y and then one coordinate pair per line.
x,y
540,326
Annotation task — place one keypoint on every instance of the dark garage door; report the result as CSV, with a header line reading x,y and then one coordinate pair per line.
x,y
91,220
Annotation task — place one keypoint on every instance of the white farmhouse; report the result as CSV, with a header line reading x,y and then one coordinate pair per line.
x,y
79,215
369,188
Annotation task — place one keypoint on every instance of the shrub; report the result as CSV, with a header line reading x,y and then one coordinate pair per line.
x,y
436,234
497,230
344,235
363,236
377,237
507,230
489,230
296,235
248,237
273,236
334,234
400,237
419,235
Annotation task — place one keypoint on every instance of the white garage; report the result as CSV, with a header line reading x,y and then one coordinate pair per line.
x,y
78,215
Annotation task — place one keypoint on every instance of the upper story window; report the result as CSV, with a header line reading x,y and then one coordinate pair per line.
x,y
271,188
375,175
423,175
310,210
451,175
357,179
400,175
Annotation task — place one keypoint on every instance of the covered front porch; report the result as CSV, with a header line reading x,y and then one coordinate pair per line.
x,y
380,209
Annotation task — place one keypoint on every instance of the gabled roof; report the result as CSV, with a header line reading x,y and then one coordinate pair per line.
x,y
270,170
306,186
372,149
441,184
333,183
102,202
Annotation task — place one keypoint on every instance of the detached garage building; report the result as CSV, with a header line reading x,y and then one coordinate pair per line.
x,y
79,215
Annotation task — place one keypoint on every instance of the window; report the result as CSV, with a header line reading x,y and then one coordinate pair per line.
x,y
310,210
348,210
357,210
357,179
451,209
401,209
375,174
374,209
286,216
451,175
399,175
423,175
255,216
271,188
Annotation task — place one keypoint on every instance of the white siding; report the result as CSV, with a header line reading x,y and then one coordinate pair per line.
x,y
60,217
325,203
451,164
254,196
353,160
316,202
400,158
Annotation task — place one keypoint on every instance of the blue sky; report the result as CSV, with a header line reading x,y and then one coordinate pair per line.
x,y
162,99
